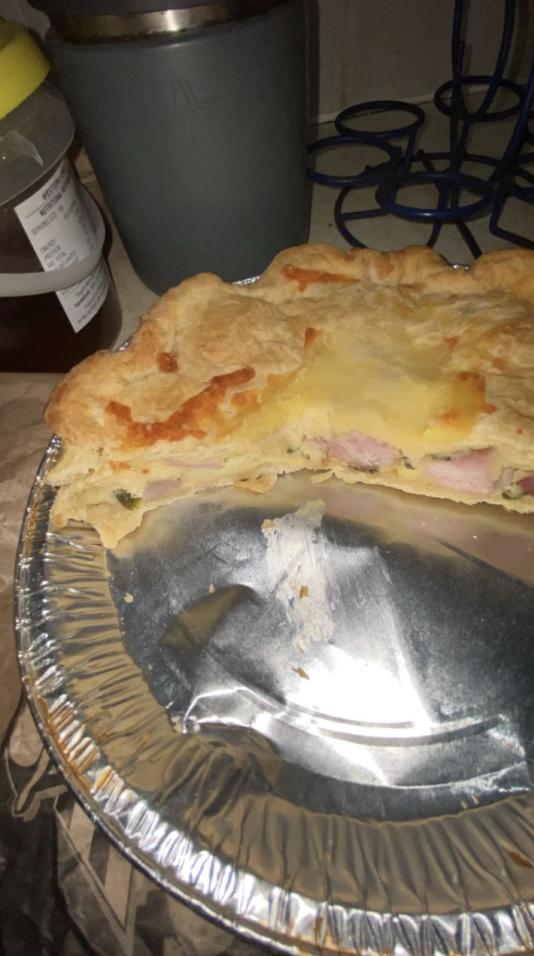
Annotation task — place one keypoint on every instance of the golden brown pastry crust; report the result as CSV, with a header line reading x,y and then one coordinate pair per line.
x,y
210,358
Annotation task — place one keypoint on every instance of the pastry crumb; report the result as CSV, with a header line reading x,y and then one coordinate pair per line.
x,y
257,486
128,597
211,589
301,672
321,476
304,591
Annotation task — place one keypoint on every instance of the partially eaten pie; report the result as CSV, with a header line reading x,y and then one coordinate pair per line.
x,y
385,368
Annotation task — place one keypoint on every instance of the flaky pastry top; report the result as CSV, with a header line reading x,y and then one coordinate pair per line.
x,y
208,353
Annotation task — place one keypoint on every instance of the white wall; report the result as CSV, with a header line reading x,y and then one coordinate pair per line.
x,y
399,49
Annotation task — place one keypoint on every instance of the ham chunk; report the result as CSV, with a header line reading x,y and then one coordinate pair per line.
x,y
527,485
468,471
159,489
359,450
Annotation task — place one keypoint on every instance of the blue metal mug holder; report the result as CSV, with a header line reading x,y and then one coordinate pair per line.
x,y
407,166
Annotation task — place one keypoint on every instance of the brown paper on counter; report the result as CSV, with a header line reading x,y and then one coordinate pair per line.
x,y
23,439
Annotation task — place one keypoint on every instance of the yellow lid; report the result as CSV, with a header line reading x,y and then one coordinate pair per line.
x,y
22,66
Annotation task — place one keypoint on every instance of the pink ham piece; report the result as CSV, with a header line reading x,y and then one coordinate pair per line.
x,y
359,450
465,471
527,484
158,489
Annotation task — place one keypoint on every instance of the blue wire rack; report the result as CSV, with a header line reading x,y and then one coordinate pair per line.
x,y
405,165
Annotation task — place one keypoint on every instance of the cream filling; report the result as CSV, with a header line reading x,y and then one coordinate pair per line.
x,y
160,480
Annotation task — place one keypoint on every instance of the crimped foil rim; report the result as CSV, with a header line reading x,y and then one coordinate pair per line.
x,y
473,845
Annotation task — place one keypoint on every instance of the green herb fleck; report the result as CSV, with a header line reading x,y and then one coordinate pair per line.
x,y
127,500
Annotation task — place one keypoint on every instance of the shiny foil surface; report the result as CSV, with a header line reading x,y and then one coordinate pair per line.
x,y
309,713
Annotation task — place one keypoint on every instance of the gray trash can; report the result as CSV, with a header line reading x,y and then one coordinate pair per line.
x,y
194,119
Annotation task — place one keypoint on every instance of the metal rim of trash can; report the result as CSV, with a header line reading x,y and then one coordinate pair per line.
x,y
88,29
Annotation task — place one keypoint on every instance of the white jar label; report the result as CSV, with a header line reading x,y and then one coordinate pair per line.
x,y
57,224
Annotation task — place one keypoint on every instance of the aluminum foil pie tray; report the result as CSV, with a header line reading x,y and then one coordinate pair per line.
x,y
308,713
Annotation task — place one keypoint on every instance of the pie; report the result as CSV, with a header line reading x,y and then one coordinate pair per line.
x,y
385,368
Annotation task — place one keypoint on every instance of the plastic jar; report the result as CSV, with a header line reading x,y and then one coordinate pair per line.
x,y
57,301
